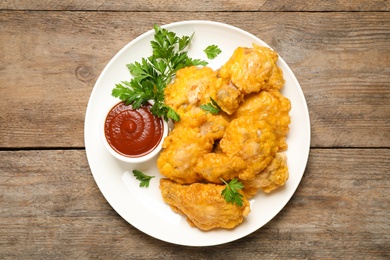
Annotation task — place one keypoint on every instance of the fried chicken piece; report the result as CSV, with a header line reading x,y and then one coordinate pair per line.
x,y
182,149
227,95
203,205
214,166
253,69
272,177
272,107
214,127
190,139
252,140
193,86
181,152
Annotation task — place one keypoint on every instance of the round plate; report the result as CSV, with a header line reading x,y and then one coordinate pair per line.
x,y
143,207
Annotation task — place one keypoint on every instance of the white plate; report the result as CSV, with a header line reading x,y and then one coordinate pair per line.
x,y
143,207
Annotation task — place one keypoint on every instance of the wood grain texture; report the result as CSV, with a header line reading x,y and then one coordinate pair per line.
x,y
49,62
200,6
50,207
51,54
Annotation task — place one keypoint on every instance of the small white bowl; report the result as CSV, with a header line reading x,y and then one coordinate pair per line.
x,y
130,159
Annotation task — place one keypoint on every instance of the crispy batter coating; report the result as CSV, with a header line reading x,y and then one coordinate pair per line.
x,y
227,95
193,86
190,139
214,166
182,149
203,205
253,69
214,127
272,177
272,107
252,140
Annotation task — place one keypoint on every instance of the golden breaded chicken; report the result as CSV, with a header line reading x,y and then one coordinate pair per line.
x,y
182,149
203,205
227,95
193,86
253,69
190,139
272,177
252,140
214,127
214,166
272,107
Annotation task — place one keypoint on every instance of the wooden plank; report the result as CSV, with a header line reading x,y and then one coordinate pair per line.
x,y
51,207
199,6
50,61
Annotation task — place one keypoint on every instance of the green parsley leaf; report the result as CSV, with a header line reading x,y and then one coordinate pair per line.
x,y
211,107
172,114
231,192
151,75
185,41
212,51
143,178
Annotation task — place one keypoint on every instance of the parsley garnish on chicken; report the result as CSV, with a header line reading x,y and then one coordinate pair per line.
x,y
211,107
231,192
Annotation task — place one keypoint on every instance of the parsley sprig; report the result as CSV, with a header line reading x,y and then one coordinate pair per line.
x,y
231,192
143,178
211,107
151,75
212,51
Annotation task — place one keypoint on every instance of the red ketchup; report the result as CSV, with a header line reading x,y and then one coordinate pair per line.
x,y
133,133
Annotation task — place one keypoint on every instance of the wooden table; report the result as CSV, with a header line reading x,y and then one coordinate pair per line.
x,y
51,55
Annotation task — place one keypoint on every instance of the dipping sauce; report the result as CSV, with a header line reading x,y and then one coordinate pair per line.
x,y
133,133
